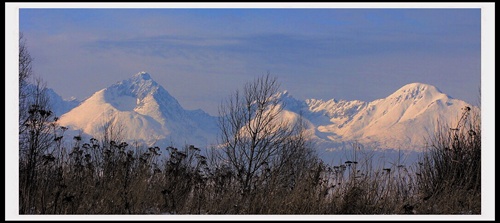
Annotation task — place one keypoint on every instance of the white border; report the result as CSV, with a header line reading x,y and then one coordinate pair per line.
x,y
487,104
488,110
254,5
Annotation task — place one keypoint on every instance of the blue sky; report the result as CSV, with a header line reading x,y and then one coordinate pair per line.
x,y
202,55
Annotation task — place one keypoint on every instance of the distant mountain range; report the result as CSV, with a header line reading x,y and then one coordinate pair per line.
x,y
403,120
147,113
59,105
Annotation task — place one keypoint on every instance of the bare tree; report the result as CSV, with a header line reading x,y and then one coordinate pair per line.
x,y
295,160
252,132
25,73
25,60
35,141
111,130
36,130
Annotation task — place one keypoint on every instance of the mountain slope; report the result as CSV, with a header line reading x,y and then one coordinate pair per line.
x,y
58,104
400,121
145,111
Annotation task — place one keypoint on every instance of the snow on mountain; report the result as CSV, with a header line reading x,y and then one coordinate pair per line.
x,y
59,105
145,111
405,117
400,121
148,113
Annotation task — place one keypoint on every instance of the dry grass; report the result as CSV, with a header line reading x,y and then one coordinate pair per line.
x,y
449,173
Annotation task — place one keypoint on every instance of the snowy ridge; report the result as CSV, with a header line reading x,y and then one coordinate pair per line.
x,y
148,113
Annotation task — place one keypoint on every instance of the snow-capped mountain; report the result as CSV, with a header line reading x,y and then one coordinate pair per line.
x,y
402,120
145,112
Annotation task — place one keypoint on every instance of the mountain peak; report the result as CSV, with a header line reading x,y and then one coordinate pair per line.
x,y
283,94
142,75
418,87
414,90
139,85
